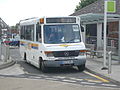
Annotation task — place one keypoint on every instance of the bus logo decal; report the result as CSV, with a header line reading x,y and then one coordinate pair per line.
x,y
64,45
66,54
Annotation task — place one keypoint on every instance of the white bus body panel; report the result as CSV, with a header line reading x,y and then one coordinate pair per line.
x,y
33,54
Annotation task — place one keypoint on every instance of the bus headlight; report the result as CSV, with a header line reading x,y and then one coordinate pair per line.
x,y
82,52
49,53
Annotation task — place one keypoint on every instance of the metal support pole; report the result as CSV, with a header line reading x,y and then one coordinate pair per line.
x,y
0,42
109,62
105,28
99,36
119,42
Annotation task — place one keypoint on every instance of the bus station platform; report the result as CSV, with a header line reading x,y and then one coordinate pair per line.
x,y
96,64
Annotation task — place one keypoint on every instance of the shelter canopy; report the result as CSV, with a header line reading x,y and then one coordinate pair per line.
x,y
92,18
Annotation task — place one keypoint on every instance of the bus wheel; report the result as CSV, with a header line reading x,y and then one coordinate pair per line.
x,y
81,67
25,59
42,66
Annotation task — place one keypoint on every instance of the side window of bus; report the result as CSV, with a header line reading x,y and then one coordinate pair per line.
x,y
29,34
38,32
32,32
22,32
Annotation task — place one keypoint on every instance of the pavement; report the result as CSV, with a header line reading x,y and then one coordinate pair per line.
x,y
96,64
93,64
5,64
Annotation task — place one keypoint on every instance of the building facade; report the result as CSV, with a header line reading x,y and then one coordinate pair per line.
x,y
4,28
94,28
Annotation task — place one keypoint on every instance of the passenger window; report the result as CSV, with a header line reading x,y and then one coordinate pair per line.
x,y
27,32
22,33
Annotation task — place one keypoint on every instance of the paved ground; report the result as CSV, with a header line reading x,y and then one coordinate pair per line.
x,y
93,64
96,65
35,84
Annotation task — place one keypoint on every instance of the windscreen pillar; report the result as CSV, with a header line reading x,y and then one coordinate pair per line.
x,y
99,36
84,33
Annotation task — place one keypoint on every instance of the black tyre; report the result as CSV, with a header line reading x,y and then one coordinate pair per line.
x,y
42,66
81,67
25,57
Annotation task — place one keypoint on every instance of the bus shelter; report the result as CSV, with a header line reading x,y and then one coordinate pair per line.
x,y
93,24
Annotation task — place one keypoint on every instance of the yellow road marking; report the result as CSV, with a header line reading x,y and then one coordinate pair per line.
x,y
102,79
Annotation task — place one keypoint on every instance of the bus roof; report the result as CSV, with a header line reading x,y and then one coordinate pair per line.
x,y
48,20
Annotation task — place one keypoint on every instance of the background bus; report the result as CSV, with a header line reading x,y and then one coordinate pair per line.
x,y
52,42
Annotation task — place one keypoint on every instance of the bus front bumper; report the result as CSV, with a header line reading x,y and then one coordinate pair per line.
x,y
64,63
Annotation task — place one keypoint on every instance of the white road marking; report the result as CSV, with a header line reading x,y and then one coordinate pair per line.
x,y
31,77
60,77
68,81
37,77
109,85
41,75
77,79
44,76
95,81
88,83
51,78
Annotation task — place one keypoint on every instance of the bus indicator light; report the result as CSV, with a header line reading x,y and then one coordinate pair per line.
x,y
42,21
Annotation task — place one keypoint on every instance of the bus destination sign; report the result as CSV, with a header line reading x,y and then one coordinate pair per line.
x,y
61,20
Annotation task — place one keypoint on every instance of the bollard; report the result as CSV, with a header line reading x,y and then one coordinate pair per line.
x,y
1,50
6,53
109,62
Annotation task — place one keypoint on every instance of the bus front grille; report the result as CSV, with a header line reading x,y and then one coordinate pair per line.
x,y
66,53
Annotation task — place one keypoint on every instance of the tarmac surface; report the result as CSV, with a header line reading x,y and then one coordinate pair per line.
x,y
35,84
93,64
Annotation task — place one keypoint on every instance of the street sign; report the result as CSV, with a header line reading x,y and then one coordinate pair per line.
x,y
111,6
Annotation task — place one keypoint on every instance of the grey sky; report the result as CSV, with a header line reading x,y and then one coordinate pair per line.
x,y
11,11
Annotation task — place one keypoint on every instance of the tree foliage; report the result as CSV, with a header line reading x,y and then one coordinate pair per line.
x,y
84,3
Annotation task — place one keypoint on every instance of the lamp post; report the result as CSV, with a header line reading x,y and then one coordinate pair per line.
x,y
0,43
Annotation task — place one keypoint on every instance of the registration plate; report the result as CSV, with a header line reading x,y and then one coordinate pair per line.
x,y
67,62
66,58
